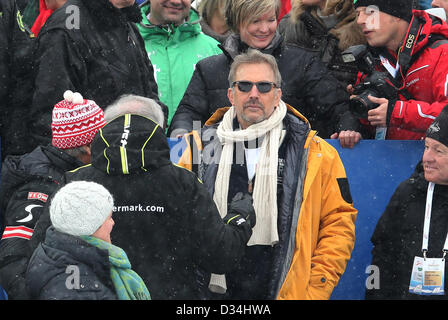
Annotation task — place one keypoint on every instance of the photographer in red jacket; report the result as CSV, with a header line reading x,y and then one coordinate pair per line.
x,y
404,85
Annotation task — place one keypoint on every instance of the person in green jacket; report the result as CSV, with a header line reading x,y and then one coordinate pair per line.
x,y
175,43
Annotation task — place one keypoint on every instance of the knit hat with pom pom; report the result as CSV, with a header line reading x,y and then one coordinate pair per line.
x,y
75,121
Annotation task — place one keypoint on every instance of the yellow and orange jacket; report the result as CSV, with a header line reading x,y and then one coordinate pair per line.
x,y
324,218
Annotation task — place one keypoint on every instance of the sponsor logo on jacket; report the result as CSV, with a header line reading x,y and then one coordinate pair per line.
x,y
38,196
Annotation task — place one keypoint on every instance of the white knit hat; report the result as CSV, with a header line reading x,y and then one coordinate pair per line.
x,y
80,208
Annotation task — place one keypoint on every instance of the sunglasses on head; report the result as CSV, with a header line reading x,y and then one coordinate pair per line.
x,y
262,86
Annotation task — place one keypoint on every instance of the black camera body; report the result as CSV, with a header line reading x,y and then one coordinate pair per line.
x,y
376,83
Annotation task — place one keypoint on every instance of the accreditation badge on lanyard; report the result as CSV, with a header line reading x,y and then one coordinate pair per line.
x,y
428,274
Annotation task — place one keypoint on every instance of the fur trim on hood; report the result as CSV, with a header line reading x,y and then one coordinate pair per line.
x,y
346,30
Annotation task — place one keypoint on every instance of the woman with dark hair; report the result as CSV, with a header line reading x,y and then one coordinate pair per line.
x,y
306,85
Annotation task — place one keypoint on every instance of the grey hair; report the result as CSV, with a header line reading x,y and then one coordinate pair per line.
x,y
253,56
134,104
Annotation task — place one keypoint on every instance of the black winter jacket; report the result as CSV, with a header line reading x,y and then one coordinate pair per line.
x,y
306,85
397,238
52,265
16,57
28,182
164,217
101,55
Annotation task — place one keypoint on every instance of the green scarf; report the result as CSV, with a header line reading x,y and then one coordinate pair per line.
x,y
128,284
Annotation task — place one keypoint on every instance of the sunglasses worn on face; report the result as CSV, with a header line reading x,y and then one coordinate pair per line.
x,y
262,86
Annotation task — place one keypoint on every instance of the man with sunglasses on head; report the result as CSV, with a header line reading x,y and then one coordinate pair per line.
x,y
305,228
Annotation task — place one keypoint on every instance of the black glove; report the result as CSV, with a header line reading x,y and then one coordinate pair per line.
x,y
241,210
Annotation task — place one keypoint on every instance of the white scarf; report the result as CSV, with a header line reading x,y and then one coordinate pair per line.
x,y
265,189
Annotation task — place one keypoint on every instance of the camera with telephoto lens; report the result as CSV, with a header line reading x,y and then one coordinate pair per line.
x,y
375,83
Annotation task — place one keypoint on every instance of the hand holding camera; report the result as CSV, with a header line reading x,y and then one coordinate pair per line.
x,y
369,99
377,116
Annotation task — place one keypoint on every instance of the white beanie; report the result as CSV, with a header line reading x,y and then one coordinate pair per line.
x,y
80,208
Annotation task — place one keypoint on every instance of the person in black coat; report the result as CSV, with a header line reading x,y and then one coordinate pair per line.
x,y
92,47
77,260
165,219
398,236
29,180
329,27
16,64
49,269
307,84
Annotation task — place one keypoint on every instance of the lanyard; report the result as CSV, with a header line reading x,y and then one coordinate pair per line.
x,y
428,210
386,63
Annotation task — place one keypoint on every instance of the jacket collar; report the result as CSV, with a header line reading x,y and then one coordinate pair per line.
x,y
193,17
37,161
221,38
233,45
187,29
431,25
61,159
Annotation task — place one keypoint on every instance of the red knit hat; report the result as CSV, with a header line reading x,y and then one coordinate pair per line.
x,y
75,121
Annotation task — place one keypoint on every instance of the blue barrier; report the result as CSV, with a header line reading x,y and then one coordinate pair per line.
x,y
374,170
3,295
